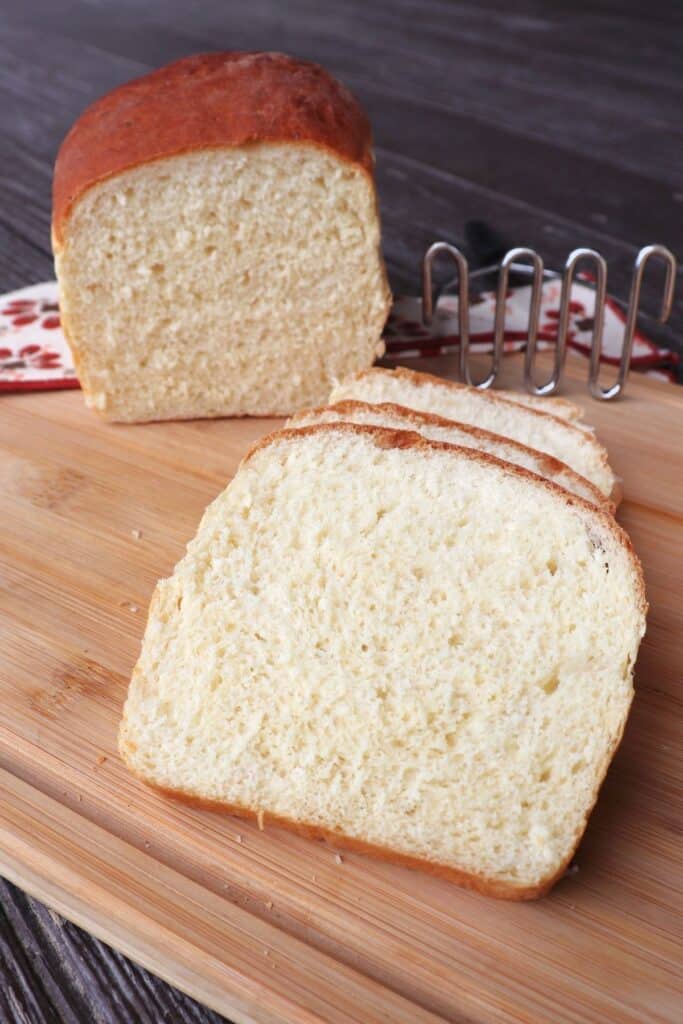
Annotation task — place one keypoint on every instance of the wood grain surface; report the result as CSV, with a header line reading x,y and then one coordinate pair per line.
x,y
266,926
559,123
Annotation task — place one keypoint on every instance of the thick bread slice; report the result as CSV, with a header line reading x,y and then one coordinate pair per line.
x,y
413,648
437,428
576,446
217,240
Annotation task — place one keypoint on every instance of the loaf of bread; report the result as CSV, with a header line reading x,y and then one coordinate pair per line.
x,y
436,428
572,444
217,241
413,648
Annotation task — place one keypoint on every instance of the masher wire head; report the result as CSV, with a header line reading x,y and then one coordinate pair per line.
x,y
533,267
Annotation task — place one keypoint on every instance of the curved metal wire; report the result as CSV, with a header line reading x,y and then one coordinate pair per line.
x,y
534,307
462,279
569,272
437,249
538,273
537,270
641,261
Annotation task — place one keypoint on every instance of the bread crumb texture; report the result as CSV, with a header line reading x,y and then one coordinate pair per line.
x,y
436,428
226,281
406,644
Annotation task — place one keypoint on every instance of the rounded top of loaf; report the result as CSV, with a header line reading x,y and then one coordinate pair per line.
x,y
206,101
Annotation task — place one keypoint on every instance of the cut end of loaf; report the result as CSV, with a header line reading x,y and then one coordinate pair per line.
x,y
412,646
225,282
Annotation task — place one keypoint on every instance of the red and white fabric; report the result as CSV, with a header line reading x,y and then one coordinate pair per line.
x,y
406,336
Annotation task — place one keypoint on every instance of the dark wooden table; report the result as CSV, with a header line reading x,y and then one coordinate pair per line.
x,y
558,122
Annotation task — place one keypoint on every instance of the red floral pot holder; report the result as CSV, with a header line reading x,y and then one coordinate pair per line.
x,y
406,337
34,354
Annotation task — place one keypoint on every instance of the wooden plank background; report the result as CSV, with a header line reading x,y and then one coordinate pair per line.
x,y
559,123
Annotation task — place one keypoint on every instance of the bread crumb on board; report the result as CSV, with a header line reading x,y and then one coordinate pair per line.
x,y
338,859
137,534
238,838
269,904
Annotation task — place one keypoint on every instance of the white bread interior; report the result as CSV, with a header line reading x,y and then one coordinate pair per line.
x,y
574,445
561,407
397,642
223,282
436,428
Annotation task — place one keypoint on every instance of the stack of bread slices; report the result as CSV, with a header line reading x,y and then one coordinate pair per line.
x,y
409,624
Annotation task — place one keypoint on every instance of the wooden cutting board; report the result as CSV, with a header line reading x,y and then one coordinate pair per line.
x,y
265,926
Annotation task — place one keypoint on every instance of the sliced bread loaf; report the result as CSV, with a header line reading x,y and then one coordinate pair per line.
x,y
437,428
216,240
576,446
413,648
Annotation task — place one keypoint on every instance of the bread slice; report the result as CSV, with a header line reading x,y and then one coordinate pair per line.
x,y
217,240
576,446
436,428
413,648
561,407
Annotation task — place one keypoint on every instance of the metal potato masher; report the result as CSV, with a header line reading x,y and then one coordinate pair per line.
x,y
527,263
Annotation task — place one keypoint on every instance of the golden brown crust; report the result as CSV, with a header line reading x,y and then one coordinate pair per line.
x,y
549,464
207,101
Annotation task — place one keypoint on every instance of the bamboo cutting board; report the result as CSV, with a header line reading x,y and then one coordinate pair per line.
x,y
266,926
